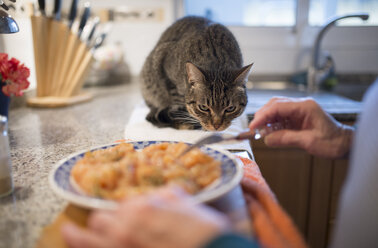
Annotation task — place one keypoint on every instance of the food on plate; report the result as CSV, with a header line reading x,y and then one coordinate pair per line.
x,y
121,171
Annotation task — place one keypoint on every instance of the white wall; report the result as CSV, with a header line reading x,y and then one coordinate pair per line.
x,y
281,51
20,46
357,54
287,54
137,37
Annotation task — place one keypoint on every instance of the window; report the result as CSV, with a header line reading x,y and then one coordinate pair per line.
x,y
279,35
323,10
245,12
280,12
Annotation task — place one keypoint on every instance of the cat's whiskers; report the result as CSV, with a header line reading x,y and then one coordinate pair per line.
x,y
189,121
184,117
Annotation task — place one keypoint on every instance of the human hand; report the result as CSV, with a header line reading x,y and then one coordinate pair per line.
x,y
311,128
167,219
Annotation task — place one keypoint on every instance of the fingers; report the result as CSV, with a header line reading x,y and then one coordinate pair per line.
x,y
307,126
170,193
102,221
273,101
151,220
274,110
280,108
80,238
113,225
287,138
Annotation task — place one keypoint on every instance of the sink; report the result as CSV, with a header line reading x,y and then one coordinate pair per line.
x,y
340,107
272,85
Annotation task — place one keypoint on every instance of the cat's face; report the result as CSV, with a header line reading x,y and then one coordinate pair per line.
x,y
216,98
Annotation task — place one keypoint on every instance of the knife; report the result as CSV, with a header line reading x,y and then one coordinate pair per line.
x,y
96,21
218,137
3,5
57,8
99,41
72,14
257,134
42,6
84,18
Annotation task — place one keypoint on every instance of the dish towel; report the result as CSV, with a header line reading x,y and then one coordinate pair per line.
x,y
139,129
271,224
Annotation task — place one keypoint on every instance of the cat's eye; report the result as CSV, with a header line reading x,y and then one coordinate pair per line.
x,y
230,109
203,108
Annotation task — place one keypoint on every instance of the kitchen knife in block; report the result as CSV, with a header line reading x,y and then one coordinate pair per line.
x,y
73,43
40,36
82,72
78,58
55,29
72,13
59,56
56,33
79,52
42,5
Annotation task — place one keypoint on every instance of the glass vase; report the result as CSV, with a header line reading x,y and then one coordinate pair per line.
x,y
4,103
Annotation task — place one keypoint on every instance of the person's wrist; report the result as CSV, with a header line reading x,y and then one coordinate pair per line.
x,y
231,239
221,225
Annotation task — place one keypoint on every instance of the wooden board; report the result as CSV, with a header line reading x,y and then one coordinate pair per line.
x,y
51,235
56,102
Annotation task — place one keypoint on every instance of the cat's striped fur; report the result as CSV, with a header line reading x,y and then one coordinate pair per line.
x,y
194,78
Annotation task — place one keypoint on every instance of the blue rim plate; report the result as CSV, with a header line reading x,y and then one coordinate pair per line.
x,y
61,184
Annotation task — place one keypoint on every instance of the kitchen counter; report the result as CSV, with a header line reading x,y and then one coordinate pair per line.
x,y
41,137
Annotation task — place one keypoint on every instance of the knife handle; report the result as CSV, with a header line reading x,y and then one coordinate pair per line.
x,y
42,6
99,41
262,131
57,8
3,5
96,21
245,135
270,128
84,17
73,12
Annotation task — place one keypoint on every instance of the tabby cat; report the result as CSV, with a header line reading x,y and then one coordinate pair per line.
x,y
194,78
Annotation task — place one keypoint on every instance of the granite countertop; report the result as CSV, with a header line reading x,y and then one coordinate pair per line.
x,y
41,137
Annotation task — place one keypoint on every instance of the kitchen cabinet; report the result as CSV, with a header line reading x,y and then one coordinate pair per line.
x,y
307,187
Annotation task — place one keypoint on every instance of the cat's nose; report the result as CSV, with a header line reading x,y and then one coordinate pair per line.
x,y
217,126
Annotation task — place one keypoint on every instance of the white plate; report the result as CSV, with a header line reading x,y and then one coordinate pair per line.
x,y
59,178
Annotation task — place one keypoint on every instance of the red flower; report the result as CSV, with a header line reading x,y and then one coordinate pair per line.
x,y
14,76
4,65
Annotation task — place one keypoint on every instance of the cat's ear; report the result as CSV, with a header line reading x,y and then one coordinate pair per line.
x,y
194,74
242,75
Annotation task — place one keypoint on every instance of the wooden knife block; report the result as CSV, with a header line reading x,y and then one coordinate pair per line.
x,y
62,63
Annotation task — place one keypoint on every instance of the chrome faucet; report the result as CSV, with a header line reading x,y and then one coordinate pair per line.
x,y
318,72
